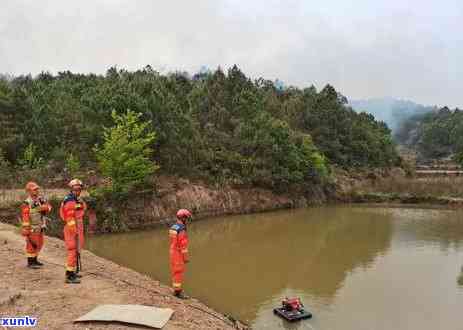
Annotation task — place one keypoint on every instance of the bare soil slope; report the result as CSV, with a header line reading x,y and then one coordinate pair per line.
x,y
43,293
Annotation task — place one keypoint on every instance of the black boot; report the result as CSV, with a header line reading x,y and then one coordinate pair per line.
x,y
180,295
38,263
31,263
71,278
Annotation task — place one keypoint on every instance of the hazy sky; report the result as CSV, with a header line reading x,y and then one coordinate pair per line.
x,y
402,48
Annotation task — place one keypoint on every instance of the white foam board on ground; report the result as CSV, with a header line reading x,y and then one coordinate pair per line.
x,y
149,316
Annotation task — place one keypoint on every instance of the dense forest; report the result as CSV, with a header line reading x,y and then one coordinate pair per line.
x,y
220,126
436,134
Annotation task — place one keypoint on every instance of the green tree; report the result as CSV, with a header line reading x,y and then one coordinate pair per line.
x,y
13,120
5,169
220,126
125,155
459,158
30,159
434,134
72,164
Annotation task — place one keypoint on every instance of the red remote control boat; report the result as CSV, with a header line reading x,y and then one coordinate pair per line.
x,y
292,310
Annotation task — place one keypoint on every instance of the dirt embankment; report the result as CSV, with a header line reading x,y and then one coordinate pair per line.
x,y
146,209
159,205
42,293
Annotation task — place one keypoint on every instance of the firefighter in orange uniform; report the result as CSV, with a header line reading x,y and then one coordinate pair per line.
x,y
33,211
72,212
179,251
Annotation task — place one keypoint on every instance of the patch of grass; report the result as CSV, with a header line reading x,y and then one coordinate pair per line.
x,y
436,186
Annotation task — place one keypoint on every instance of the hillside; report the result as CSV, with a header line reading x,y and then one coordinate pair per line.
x,y
218,126
390,110
434,135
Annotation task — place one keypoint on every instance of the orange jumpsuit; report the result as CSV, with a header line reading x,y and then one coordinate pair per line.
x,y
178,254
32,212
72,212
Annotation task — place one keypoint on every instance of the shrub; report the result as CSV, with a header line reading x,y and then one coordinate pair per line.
x,y
5,169
30,159
72,164
125,156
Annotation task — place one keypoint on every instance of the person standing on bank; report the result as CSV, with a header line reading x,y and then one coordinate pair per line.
x,y
72,212
179,251
33,212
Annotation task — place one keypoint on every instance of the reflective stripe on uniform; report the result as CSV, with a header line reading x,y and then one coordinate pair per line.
x,y
71,269
71,223
31,255
185,251
177,285
26,224
172,232
35,217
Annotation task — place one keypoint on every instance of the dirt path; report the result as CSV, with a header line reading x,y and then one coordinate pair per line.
x,y
43,293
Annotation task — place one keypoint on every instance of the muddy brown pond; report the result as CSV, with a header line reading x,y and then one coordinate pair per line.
x,y
353,267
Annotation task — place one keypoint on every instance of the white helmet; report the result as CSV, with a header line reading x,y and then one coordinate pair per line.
x,y
75,182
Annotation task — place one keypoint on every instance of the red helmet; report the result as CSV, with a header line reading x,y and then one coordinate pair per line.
x,y
183,214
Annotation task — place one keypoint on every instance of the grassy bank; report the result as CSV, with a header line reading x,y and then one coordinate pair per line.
x,y
407,190
437,186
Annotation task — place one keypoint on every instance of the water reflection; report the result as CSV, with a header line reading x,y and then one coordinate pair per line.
x,y
437,226
340,260
249,259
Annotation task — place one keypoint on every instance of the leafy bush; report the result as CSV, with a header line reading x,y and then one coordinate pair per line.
x,y
30,159
72,164
459,158
125,156
5,169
